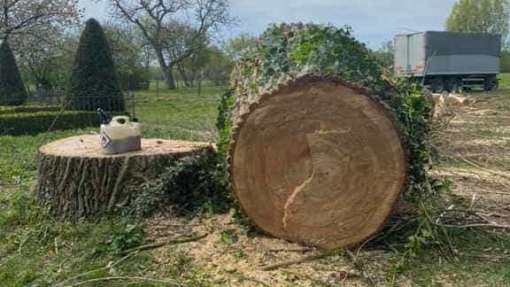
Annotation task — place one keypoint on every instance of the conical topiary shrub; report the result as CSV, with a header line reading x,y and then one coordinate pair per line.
x,y
12,90
94,81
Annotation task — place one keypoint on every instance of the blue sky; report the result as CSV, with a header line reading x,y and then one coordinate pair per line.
x,y
373,21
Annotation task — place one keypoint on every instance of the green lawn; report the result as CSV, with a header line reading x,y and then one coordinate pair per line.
x,y
504,81
35,250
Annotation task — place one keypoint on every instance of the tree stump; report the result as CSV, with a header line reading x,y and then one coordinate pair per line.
x,y
322,143
76,180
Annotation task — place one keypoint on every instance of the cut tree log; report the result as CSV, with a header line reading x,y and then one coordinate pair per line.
x,y
321,145
76,180
318,162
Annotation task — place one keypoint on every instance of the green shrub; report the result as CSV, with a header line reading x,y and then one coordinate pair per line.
x,y
505,61
192,185
12,89
33,123
27,109
94,80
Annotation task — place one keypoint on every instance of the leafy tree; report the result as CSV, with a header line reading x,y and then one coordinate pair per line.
x,y
210,63
488,16
93,80
219,67
505,60
162,25
235,47
385,54
12,89
129,57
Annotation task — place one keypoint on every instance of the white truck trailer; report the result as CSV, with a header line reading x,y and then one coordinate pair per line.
x,y
449,61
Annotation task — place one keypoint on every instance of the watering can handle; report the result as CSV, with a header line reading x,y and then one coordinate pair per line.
x,y
121,120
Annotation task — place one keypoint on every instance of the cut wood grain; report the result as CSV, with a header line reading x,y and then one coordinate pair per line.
x,y
317,161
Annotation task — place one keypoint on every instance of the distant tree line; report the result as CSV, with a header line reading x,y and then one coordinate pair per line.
x,y
42,38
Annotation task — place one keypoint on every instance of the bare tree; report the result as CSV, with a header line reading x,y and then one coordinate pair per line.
x,y
19,16
160,21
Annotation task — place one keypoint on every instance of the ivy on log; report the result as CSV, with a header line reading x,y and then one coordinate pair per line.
x,y
289,51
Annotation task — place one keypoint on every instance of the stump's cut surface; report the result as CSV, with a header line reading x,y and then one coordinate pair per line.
x,y
317,162
76,179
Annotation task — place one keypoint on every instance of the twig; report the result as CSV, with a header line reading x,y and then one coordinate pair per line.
x,y
490,225
247,278
499,192
161,244
317,282
303,250
489,257
108,266
301,260
473,164
56,245
359,266
162,224
132,278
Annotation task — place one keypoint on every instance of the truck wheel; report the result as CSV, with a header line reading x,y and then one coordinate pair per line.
x,y
460,85
437,85
491,84
454,85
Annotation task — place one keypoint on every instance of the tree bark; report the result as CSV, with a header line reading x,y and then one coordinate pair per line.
x,y
165,69
76,180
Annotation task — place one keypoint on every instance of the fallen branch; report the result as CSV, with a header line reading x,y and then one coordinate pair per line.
x,y
360,267
131,278
128,253
317,282
161,244
247,278
474,225
476,165
303,250
108,266
489,223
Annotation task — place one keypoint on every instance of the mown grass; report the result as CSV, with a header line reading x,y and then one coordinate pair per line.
x,y
36,250
483,256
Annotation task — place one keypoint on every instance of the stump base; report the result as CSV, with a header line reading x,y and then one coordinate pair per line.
x,y
75,179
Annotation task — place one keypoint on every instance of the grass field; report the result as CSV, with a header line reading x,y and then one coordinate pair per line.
x,y
35,250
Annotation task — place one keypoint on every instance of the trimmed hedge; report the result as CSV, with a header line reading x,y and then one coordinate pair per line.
x,y
27,109
39,122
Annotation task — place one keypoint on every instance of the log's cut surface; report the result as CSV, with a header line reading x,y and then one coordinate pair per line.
x,y
317,162
76,180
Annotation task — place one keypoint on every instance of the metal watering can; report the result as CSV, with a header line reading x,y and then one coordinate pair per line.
x,y
119,134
